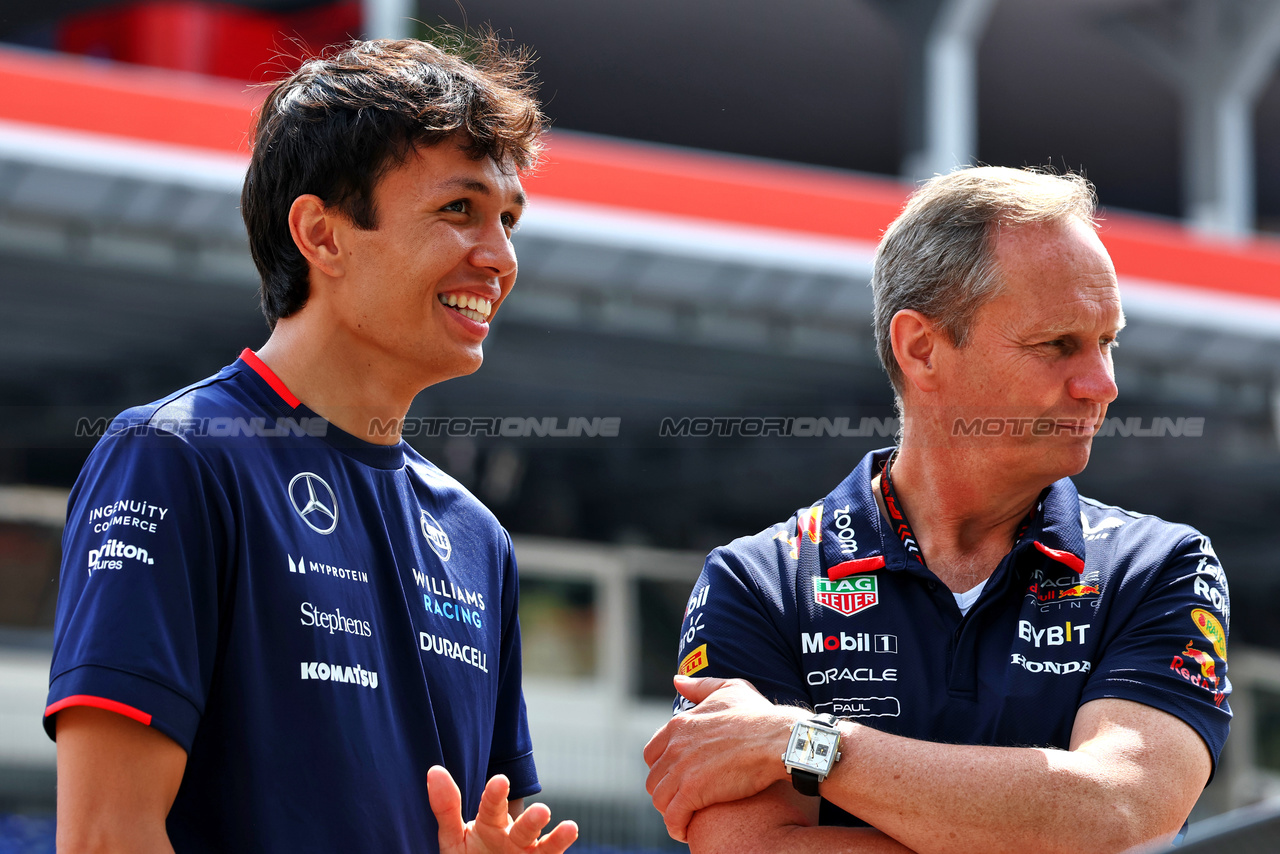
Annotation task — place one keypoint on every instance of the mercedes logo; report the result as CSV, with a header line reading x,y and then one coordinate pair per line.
x,y
436,537
318,507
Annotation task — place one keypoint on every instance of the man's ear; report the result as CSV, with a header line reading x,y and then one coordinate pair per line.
x,y
314,228
915,342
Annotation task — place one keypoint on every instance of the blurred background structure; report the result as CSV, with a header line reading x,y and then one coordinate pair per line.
x,y
698,248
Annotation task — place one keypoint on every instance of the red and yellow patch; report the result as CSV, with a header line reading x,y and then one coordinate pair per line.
x,y
1212,630
694,661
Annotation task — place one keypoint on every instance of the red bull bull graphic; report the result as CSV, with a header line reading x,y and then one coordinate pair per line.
x,y
1212,631
847,596
1189,661
1069,590
1078,591
808,523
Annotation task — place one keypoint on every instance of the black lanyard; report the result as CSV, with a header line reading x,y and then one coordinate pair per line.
x,y
898,516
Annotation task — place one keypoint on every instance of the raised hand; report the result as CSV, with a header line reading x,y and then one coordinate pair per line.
x,y
493,831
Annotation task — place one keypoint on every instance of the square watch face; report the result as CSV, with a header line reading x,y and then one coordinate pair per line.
x,y
813,749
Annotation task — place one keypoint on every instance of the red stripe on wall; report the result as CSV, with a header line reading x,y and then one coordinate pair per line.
x,y
143,103
185,109
717,187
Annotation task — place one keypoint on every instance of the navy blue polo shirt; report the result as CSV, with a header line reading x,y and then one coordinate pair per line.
x,y
827,610
315,619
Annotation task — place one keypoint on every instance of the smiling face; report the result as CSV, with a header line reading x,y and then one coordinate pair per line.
x,y
1038,357
420,289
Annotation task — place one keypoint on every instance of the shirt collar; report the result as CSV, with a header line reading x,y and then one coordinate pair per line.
x,y
856,538
853,531
1055,530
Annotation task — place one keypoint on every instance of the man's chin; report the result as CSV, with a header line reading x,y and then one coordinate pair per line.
x,y
1073,457
459,367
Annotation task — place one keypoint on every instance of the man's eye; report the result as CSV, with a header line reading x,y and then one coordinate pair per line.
x,y
510,221
459,206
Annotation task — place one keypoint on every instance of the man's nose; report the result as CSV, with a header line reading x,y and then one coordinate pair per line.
x,y
1095,380
494,251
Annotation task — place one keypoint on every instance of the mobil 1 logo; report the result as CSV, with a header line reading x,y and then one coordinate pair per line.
x,y
811,642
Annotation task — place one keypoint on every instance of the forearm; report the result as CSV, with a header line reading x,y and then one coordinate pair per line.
x,y
75,834
116,783
939,797
1131,776
779,821
794,839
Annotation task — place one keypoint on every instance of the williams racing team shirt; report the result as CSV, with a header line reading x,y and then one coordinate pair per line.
x,y
315,619
829,611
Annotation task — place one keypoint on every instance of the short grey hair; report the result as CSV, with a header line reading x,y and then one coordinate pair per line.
x,y
938,256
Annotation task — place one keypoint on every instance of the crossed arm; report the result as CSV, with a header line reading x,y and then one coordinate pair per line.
x,y
1131,775
117,781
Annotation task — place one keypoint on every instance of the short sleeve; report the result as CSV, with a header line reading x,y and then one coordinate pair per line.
x,y
511,752
735,625
137,617
1172,651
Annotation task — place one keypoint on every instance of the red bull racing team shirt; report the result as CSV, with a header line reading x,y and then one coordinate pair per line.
x,y
830,611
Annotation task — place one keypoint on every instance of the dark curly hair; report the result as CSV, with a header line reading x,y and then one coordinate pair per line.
x,y
338,123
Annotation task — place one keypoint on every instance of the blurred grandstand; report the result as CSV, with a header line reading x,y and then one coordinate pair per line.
x,y
698,248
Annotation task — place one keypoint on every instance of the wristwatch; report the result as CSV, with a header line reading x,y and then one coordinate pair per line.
x,y
812,752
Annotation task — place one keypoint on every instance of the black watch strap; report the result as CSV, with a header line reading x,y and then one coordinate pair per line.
x,y
806,782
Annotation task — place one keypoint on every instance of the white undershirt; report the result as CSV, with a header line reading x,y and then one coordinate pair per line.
x,y
966,599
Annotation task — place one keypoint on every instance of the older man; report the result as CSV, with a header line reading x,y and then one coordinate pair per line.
x,y
1002,664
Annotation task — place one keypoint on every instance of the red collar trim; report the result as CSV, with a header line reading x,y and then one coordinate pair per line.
x,y
852,567
1065,558
251,359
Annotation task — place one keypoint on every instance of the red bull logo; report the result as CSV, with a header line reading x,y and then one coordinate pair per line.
x,y
1207,676
1204,660
808,523
1078,591
1049,595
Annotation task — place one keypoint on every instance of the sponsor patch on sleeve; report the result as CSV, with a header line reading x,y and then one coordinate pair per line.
x,y
1212,631
694,661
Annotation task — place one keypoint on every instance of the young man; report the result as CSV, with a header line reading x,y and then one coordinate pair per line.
x,y
1004,665
251,651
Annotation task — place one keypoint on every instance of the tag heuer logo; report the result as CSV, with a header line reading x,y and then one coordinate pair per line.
x,y
848,595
